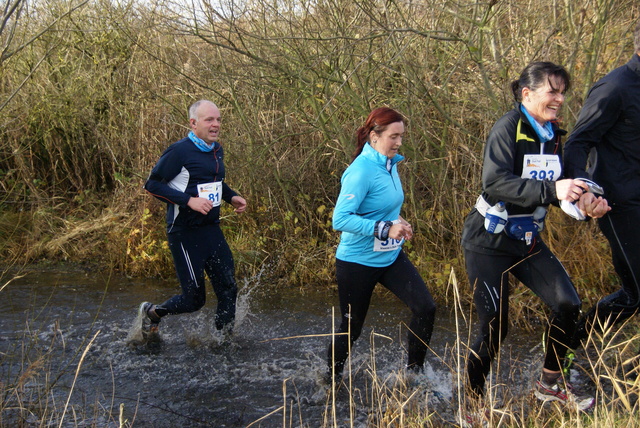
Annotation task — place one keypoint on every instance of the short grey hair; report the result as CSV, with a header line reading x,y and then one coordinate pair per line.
x,y
636,38
194,108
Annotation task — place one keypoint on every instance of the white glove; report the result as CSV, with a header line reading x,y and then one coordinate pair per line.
x,y
572,210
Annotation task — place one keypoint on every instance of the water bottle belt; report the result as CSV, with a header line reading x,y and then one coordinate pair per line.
x,y
482,206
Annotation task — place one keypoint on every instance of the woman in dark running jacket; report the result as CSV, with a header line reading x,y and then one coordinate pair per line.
x,y
522,168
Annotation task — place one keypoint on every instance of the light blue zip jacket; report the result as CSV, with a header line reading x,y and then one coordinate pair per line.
x,y
369,193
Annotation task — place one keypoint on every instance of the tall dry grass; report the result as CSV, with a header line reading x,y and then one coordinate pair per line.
x,y
91,94
607,367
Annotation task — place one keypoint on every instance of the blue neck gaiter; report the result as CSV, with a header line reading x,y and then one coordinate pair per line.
x,y
200,143
545,133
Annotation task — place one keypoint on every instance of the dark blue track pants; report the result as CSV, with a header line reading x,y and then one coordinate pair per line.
x,y
196,251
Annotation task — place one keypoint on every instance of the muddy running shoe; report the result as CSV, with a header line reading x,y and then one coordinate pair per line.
x,y
476,413
563,392
150,321
473,419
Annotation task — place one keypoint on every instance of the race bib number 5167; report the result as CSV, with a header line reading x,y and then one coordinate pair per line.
x,y
388,245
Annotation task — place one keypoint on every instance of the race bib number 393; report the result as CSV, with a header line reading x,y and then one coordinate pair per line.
x,y
211,191
541,167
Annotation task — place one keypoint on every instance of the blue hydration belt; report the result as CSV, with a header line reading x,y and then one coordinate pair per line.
x,y
522,227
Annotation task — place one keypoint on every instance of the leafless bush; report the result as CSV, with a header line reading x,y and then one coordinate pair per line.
x,y
106,89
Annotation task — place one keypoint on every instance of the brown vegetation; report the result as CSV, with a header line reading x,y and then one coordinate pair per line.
x,y
92,92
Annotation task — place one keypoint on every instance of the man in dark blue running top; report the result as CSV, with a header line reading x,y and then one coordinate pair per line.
x,y
189,177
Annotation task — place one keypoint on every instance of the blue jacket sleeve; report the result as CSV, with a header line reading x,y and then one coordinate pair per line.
x,y
346,215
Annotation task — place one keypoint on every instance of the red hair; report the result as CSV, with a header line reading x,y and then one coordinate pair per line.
x,y
377,121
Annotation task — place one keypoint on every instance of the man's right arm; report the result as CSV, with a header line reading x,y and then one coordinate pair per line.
x,y
166,181
598,114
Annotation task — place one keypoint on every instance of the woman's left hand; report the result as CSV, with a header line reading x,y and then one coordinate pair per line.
x,y
402,230
592,205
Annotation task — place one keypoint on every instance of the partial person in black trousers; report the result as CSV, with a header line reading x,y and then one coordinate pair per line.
x,y
605,146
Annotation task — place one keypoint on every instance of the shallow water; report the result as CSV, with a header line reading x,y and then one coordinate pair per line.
x,y
196,377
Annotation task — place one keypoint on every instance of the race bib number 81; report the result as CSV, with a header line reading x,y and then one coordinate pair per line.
x,y
211,191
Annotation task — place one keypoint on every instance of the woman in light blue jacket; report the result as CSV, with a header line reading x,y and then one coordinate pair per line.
x,y
370,251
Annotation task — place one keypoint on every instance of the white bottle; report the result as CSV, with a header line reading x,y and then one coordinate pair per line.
x,y
495,218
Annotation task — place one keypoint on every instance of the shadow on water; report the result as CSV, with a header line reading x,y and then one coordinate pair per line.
x,y
196,377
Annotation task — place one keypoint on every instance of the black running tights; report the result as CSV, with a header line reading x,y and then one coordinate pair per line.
x,y
356,283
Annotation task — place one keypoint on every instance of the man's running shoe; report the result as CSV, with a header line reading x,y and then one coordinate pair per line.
x,y
150,321
563,392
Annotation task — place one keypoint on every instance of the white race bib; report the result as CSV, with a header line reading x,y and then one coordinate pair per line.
x,y
541,167
211,191
388,245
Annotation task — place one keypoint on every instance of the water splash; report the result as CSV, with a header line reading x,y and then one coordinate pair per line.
x,y
135,335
